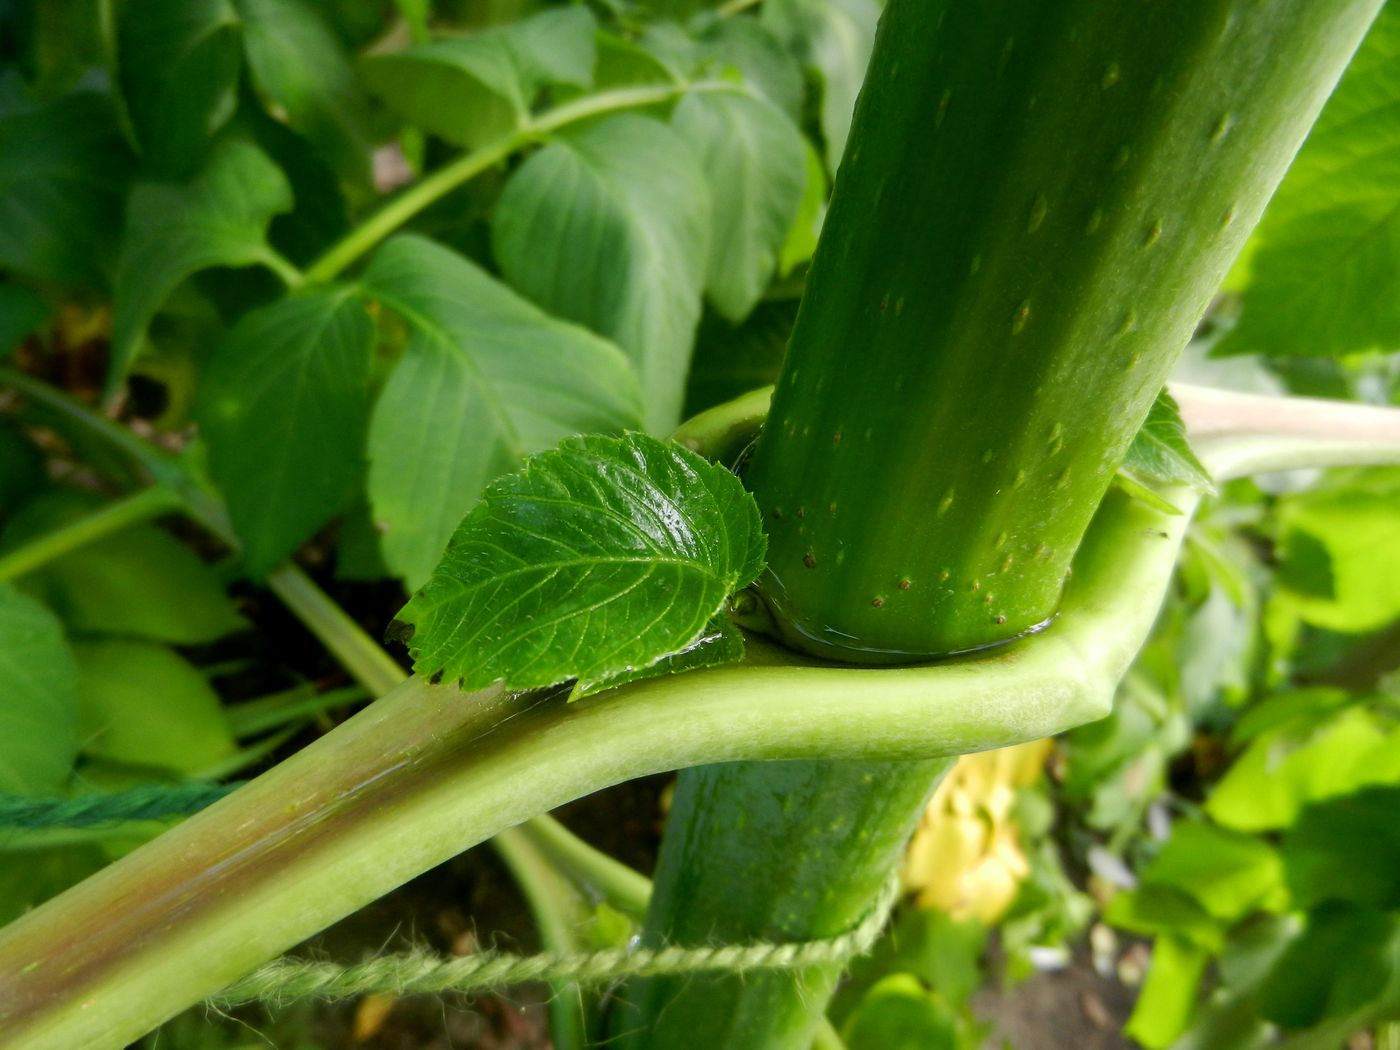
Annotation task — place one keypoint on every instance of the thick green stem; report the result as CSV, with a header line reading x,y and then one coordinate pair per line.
x,y
787,884
1035,205
111,517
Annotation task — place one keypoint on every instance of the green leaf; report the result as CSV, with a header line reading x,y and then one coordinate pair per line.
x,y
284,405
485,380
63,171
1227,873
900,1014
139,582
1347,848
609,226
177,66
299,64
1279,773
1323,276
835,38
1167,1001
801,242
599,557
173,231
470,90
140,703
944,953
753,158
731,360
21,311
1165,911
22,471
1342,959
721,642
1160,452
1356,524
38,698
749,47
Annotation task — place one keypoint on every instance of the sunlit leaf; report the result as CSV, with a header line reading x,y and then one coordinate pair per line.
x,y
1282,771
600,557
485,380
609,226
1167,1001
1341,553
1323,273
284,406
1227,873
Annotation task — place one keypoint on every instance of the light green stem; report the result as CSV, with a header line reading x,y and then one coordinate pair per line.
x,y
366,661
434,187
368,664
593,872
555,906
427,772
107,519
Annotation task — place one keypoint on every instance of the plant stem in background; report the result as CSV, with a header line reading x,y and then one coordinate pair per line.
x,y
434,187
111,517
986,323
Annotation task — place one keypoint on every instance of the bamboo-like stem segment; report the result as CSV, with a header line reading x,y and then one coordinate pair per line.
x,y
1036,203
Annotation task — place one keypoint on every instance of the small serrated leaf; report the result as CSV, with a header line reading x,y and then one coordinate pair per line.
x,y
1160,453
600,558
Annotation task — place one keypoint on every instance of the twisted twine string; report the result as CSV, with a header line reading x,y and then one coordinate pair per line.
x,y
146,802
420,973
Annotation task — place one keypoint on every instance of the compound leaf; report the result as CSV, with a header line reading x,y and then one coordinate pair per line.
x,y
1323,276
140,582
835,37
38,698
470,90
609,226
174,230
600,557
485,380
299,64
284,406
754,161
62,174
177,66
